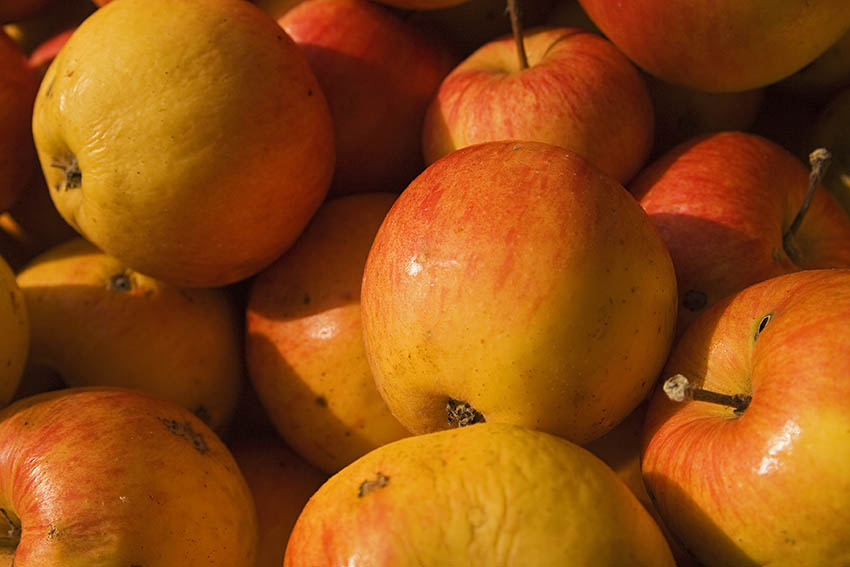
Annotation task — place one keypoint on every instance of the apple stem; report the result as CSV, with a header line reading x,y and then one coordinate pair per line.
x,y
819,161
678,388
516,26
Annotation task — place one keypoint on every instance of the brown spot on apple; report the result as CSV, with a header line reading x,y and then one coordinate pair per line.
x,y
694,300
184,429
370,486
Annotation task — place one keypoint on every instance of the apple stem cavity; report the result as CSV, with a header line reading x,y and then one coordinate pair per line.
x,y
678,388
515,13
819,161
13,531
461,414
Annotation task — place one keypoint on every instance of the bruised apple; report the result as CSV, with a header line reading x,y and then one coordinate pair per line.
x,y
201,156
486,494
514,282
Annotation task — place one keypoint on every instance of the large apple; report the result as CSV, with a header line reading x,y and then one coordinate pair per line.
x,y
578,92
17,93
515,282
721,45
15,330
108,477
193,164
723,203
487,494
304,338
99,323
378,74
766,483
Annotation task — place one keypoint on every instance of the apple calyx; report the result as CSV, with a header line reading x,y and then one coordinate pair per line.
x,y
515,14
13,530
461,414
819,161
71,169
678,388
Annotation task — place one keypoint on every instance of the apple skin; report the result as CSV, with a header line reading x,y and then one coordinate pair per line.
x,y
770,486
378,74
517,278
15,330
217,179
824,77
579,92
106,477
762,41
486,494
722,203
98,323
304,338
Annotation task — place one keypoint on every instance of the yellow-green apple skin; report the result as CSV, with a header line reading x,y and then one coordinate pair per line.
x,y
304,338
378,74
485,494
281,483
197,162
108,477
769,486
578,92
517,278
722,203
18,86
99,323
829,130
721,45
15,333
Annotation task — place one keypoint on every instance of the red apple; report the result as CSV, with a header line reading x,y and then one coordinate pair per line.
x,y
578,92
378,74
515,282
721,45
722,203
768,484
115,477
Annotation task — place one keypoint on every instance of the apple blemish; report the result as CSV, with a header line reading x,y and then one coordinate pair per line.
x,y
71,170
370,486
185,430
694,300
461,414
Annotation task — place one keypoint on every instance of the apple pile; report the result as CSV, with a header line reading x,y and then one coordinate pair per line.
x,y
424,282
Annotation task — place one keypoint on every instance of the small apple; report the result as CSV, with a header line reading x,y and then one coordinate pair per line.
x,y
721,45
577,91
724,204
515,282
15,330
485,494
99,323
304,339
763,478
378,73
214,180
108,477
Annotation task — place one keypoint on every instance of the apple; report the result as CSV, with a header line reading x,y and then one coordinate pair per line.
x,y
485,494
828,129
15,330
824,77
763,478
515,282
17,93
281,483
577,91
304,339
721,45
192,165
98,323
723,203
378,74
108,477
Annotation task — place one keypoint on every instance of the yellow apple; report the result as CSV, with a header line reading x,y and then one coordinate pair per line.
x,y
190,139
15,333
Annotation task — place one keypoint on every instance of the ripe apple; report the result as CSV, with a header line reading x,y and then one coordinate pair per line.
x,y
721,45
17,93
485,494
193,165
768,484
15,330
515,282
304,338
722,203
108,477
378,74
99,323
578,92
281,483
829,129
824,77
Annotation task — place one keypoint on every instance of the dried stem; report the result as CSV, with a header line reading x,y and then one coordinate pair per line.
x,y
678,388
516,26
819,161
